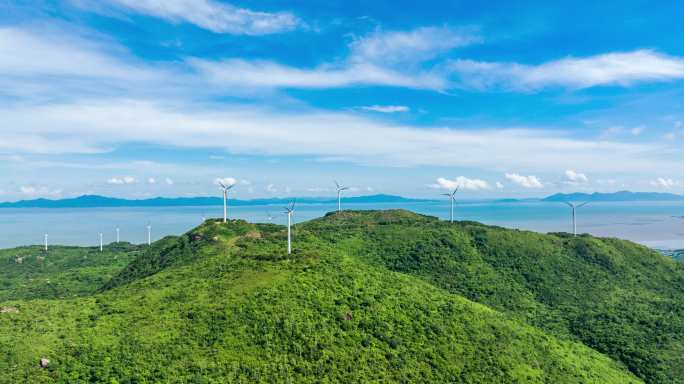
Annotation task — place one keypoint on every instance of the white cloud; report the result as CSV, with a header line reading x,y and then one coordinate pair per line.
x,y
168,181
499,185
617,68
43,52
262,131
39,191
227,181
461,182
574,178
386,108
267,74
665,183
151,180
271,188
121,180
525,181
382,58
402,47
214,15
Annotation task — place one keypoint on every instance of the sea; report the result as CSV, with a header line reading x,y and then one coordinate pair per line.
x,y
658,225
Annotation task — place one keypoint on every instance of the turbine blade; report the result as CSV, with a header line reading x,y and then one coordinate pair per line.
x,y
583,204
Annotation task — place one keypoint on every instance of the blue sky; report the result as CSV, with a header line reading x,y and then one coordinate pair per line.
x,y
140,98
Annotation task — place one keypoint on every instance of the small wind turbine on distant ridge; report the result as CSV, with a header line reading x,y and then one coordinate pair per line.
x,y
574,214
340,188
225,189
289,211
149,234
117,235
100,241
452,198
46,245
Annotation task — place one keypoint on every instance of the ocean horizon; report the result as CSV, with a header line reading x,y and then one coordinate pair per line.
x,y
655,224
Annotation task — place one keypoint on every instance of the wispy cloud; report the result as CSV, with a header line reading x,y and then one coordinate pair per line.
x,y
32,191
258,130
121,180
212,15
267,74
617,68
525,181
386,108
666,183
408,47
460,182
382,58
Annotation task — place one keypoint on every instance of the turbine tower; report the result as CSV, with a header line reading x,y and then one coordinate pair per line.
x,y
574,214
149,234
289,210
225,189
46,247
340,188
452,198
117,235
100,241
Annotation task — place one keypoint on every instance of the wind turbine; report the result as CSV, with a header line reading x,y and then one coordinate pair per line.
x,y
340,188
149,234
269,216
289,210
574,214
100,241
452,198
117,235
225,199
46,247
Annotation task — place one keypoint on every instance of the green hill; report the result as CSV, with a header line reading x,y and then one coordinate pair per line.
x,y
372,296
31,272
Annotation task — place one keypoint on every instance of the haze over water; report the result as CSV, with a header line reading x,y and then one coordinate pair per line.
x,y
655,224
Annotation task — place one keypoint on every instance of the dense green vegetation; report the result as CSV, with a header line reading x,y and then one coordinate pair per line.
x,y
617,297
370,296
31,272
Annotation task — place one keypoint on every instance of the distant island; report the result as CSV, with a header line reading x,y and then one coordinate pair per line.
x,y
95,201
615,196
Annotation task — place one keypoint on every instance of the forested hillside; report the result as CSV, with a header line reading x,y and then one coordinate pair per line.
x,y
369,296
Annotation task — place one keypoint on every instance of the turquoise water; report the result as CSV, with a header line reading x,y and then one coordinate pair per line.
x,y
656,224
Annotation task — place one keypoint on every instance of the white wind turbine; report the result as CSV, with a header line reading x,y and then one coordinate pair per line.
x,y
149,234
452,198
225,189
340,188
574,214
46,244
289,211
100,241
117,235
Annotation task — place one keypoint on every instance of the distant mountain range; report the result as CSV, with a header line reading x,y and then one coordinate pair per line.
x,y
615,196
94,201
